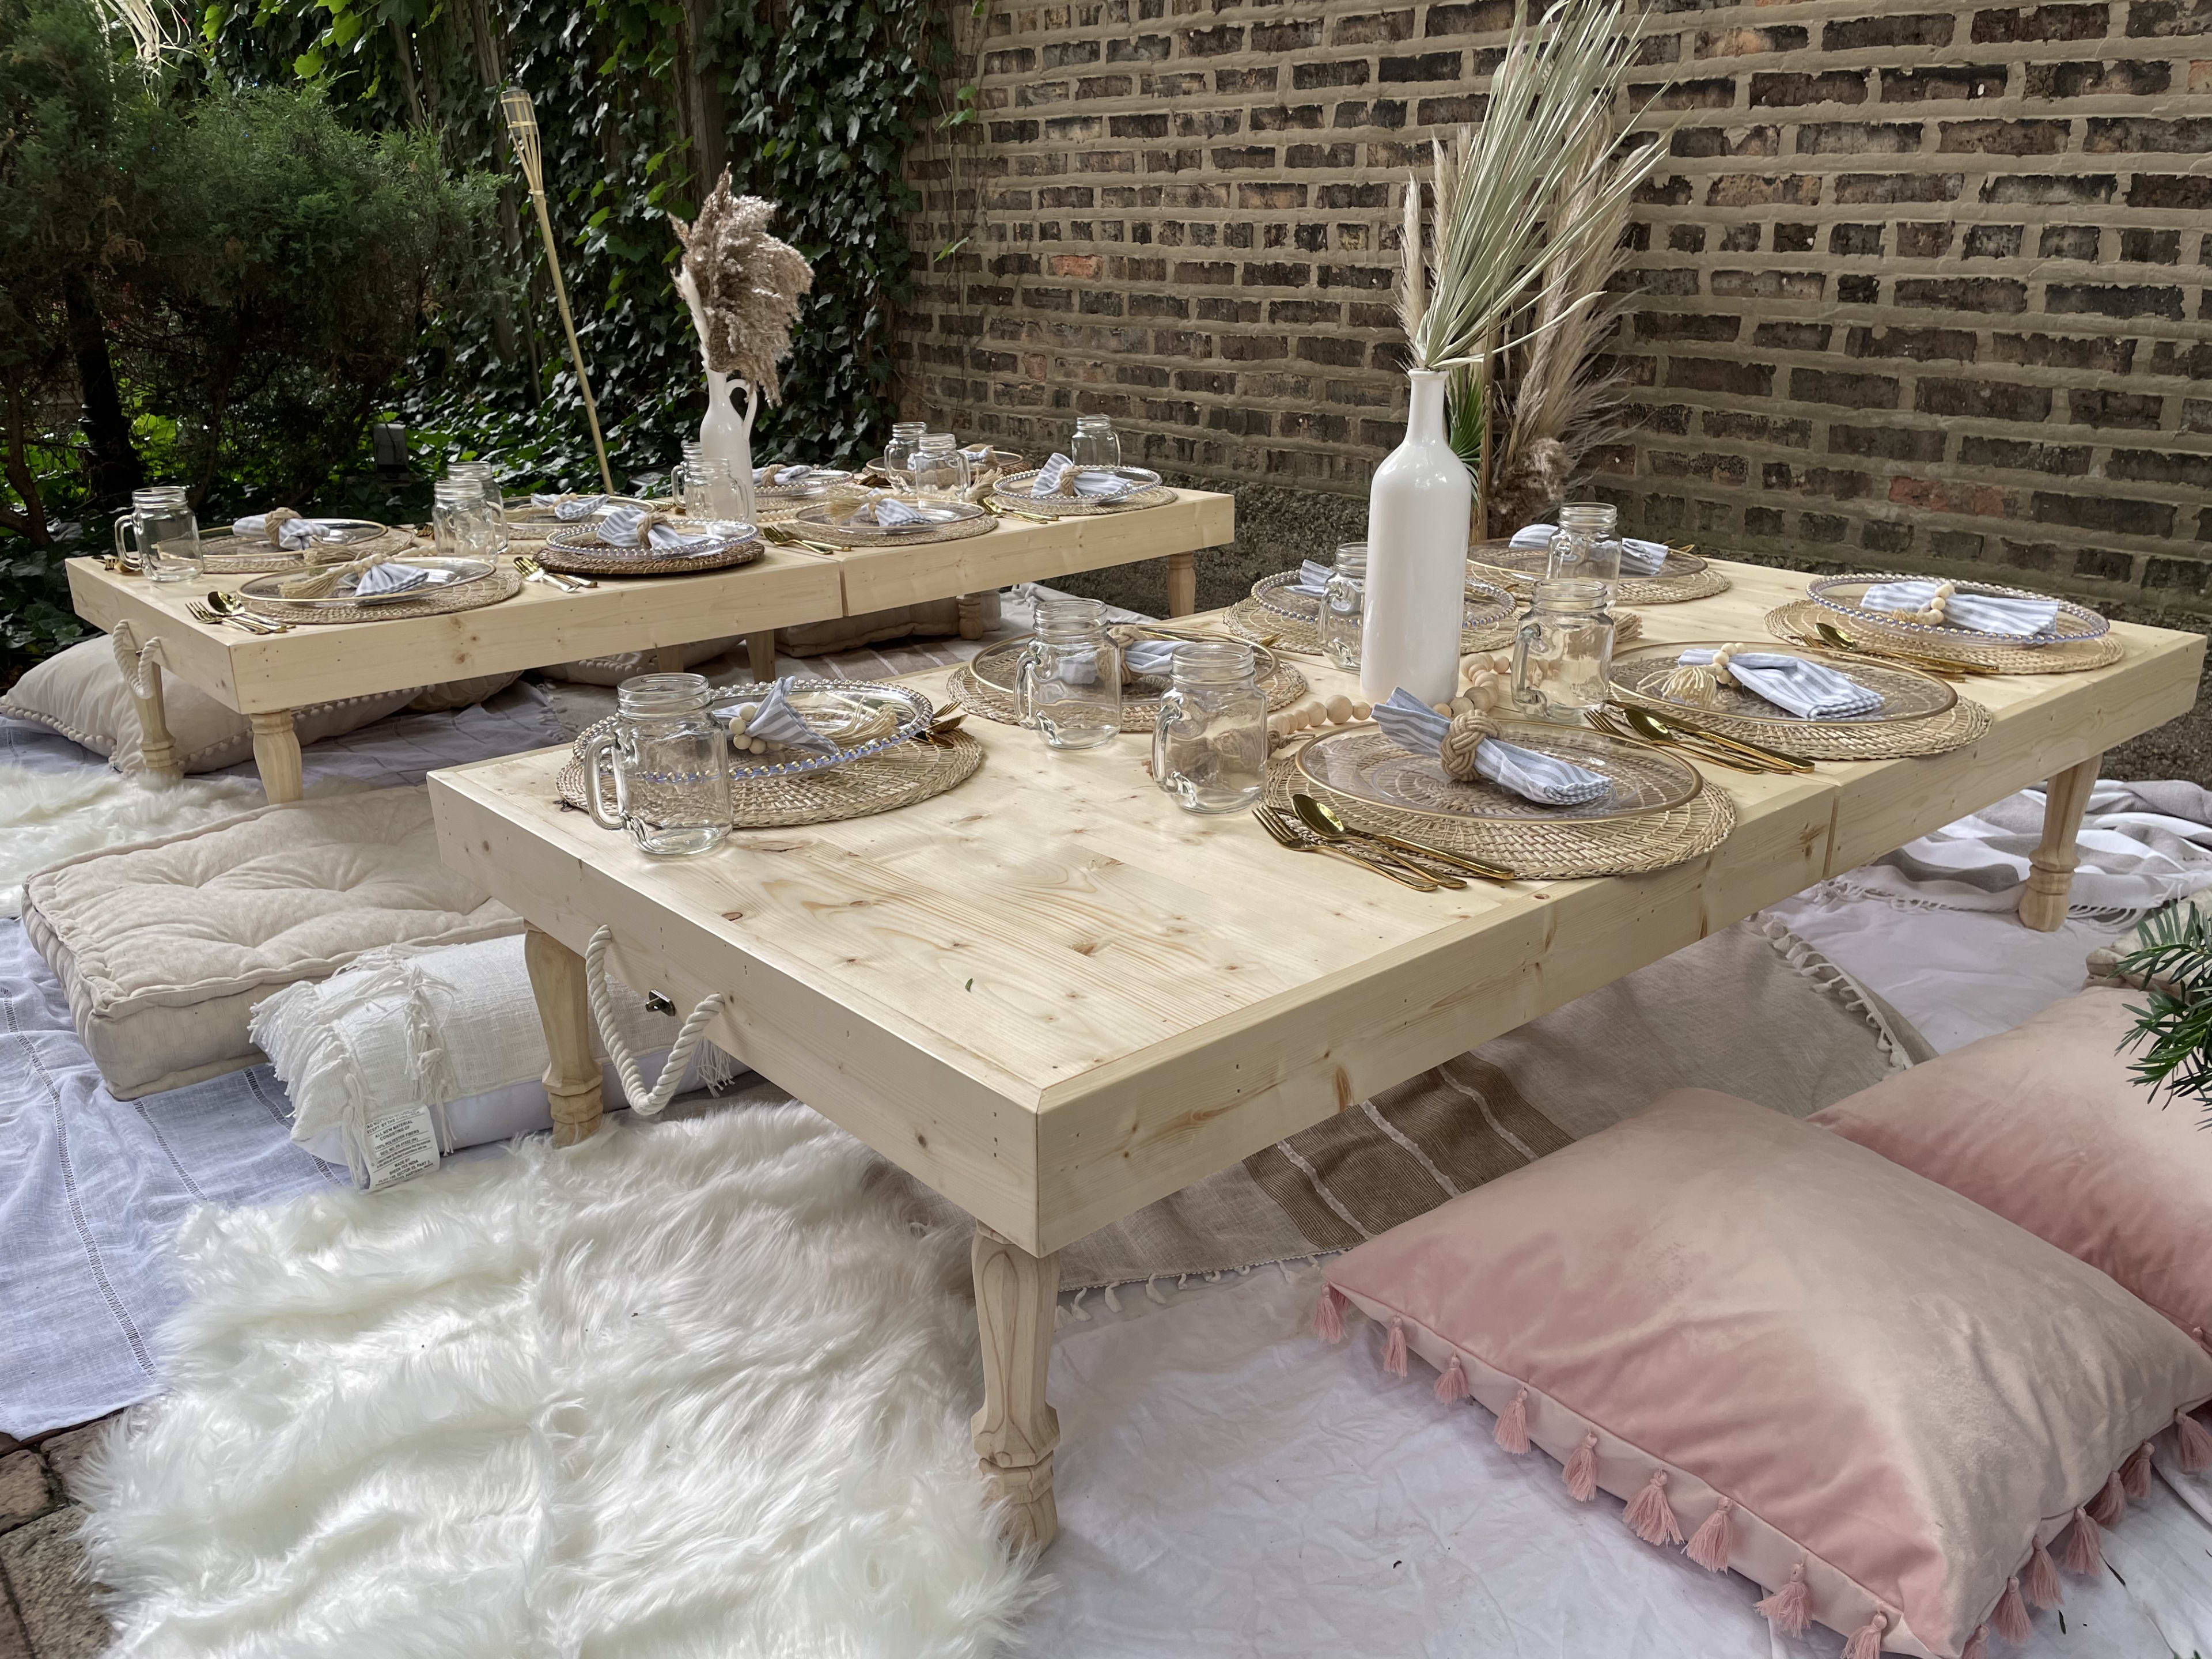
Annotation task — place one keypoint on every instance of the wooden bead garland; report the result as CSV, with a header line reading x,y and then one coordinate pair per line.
x,y
1339,710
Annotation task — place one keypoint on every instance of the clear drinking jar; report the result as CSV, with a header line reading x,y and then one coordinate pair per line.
x,y
1563,649
485,477
694,481
1096,443
906,438
1344,607
1587,542
166,534
460,521
1068,683
670,758
1210,743
939,467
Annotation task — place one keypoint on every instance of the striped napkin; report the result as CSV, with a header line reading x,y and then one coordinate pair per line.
x,y
1642,558
1312,577
773,720
622,528
1061,476
1545,778
781,477
1810,690
1986,613
569,509
1138,657
392,577
889,512
291,535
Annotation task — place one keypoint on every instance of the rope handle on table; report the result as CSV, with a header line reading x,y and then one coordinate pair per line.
x,y
643,1102
137,661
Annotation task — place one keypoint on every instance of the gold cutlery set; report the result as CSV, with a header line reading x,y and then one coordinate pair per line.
x,y
1319,828
220,607
1733,754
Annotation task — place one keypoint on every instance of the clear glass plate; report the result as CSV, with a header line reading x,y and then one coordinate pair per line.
x,y
584,538
466,573
1486,604
821,703
821,483
935,514
1363,766
995,664
1906,694
1531,564
1021,487
1843,594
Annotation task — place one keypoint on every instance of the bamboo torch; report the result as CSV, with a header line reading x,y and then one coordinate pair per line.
x,y
522,127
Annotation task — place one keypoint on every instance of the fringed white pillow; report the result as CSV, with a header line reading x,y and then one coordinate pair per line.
x,y
453,1028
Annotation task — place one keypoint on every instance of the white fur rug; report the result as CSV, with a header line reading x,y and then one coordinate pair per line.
x,y
694,1389
53,815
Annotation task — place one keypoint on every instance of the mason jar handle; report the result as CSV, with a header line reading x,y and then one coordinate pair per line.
x,y
594,791
1529,631
128,516
1025,673
1169,721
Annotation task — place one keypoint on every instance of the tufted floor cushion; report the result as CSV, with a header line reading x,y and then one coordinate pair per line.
x,y
164,947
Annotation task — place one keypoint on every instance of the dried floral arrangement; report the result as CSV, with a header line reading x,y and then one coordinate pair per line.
x,y
1520,237
742,285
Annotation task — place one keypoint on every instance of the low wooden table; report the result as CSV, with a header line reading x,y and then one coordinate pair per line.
x,y
265,678
1054,997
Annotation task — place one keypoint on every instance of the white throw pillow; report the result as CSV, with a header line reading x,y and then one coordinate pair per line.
x,y
613,670
81,694
453,1028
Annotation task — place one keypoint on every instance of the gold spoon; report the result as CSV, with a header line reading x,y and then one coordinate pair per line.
x,y
224,604
1318,816
1644,723
1603,720
1943,667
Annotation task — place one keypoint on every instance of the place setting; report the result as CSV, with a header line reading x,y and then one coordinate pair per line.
x,y
1144,658
1319,609
1787,708
1587,542
887,518
636,540
1065,487
1949,626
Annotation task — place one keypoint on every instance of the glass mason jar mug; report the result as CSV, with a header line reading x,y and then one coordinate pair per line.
x,y
938,467
1344,607
1210,743
1564,650
166,533
463,524
1096,443
1068,682
906,438
485,477
1587,542
670,758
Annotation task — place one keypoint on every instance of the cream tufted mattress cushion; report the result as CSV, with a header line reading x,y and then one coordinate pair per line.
x,y
164,947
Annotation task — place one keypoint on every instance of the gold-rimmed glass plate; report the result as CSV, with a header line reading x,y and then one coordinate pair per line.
x,y
1486,603
1846,595
994,667
527,512
726,533
1362,767
466,573
1528,565
1640,670
935,514
817,483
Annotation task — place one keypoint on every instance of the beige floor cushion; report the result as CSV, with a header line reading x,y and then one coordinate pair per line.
x,y
613,670
461,694
935,619
164,947
81,694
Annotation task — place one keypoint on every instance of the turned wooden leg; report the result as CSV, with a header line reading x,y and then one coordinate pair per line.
x,y
1016,1431
572,1077
760,651
2050,872
668,660
971,616
157,750
277,752
1182,583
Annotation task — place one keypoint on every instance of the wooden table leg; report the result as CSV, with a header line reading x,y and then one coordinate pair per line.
x,y
1182,583
2050,872
971,616
760,652
668,660
1016,1430
277,752
572,1077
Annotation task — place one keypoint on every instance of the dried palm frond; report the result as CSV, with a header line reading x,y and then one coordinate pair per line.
x,y
1491,222
741,284
150,24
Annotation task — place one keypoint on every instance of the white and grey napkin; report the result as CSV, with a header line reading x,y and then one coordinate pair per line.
x,y
392,577
1987,613
291,535
1138,657
889,512
780,477
571,509
1640,558
1810,690
774,720
1545,778
622,528
1061,476
1313,578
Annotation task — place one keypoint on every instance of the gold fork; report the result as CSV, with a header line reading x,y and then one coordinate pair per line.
x,y
1271,822
245,622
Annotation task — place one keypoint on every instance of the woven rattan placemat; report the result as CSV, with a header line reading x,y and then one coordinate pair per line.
x,y
618,562
1247,619
1283,686
504,583
1795,621
881,782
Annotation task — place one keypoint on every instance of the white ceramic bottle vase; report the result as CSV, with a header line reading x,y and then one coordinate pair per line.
x,y
1417,509
725,445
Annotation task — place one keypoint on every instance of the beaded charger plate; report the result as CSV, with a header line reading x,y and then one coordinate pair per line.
x,y
831,708
1541,842
883,781
1920,715
1683,577
1487,604
985,686
1014,491
504,583
230,555
531,522
577,551
948,521
1843,596
1796,620
1249,620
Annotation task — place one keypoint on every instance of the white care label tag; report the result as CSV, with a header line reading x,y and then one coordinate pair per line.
x,y
401,1147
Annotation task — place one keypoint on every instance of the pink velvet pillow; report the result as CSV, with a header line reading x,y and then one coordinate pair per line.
x,y
1863,1391
2045,1126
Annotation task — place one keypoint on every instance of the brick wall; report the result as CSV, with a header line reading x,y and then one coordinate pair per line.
x,y
1921,286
